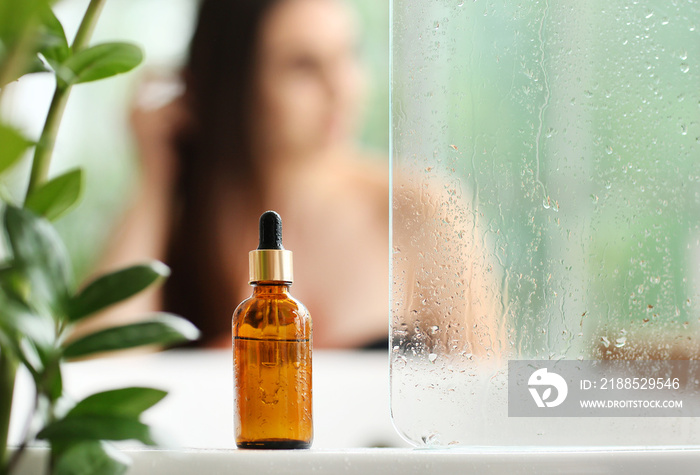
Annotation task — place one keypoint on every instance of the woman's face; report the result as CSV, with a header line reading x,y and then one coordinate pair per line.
x,y
310,81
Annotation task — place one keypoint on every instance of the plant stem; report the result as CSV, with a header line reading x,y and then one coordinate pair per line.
x,y
13,62
8,368
16,59
45,145
87,25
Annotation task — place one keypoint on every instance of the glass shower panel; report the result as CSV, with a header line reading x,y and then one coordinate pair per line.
x,y
546,206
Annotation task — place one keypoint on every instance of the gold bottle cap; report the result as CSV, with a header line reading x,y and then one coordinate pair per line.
x,y
270,262
270,265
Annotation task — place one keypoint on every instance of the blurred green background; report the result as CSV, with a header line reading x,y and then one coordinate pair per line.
x,y
95,131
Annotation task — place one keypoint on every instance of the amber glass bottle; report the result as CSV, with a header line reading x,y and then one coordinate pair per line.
x,y
272,352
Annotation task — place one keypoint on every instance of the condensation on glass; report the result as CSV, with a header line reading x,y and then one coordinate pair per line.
x,y
546,205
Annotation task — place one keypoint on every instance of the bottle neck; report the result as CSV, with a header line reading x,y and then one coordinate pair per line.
x,y
272,287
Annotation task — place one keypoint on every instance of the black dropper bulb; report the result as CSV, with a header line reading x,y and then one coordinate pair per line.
x,y
270,231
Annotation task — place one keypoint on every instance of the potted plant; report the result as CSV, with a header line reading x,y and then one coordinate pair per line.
x,y
39,301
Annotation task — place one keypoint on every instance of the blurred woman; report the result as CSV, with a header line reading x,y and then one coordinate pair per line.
x,y
268,119
270,108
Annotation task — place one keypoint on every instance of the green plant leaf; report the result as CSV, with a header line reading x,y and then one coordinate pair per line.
x,y
115,287
164,329
19,23
51,382
99,62
14,285
12,146
53,44
36,65
97,427
55,197
31,337
46,374
16,319
39,255
22,332
17,316
32,65
16,17
90,458
8,344
127,402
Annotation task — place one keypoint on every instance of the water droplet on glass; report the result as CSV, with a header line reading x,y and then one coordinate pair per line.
x,y
431,439
650,14
400,362
683,55
685,67
432,357
620,342
609,150
684,129
605,341
434,329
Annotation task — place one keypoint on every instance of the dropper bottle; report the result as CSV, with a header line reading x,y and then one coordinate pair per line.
x,y
272,352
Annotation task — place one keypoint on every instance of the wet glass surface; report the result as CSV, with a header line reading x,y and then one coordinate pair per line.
x,y
546,205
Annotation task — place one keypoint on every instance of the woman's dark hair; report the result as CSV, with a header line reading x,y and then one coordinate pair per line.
x,y
215,160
